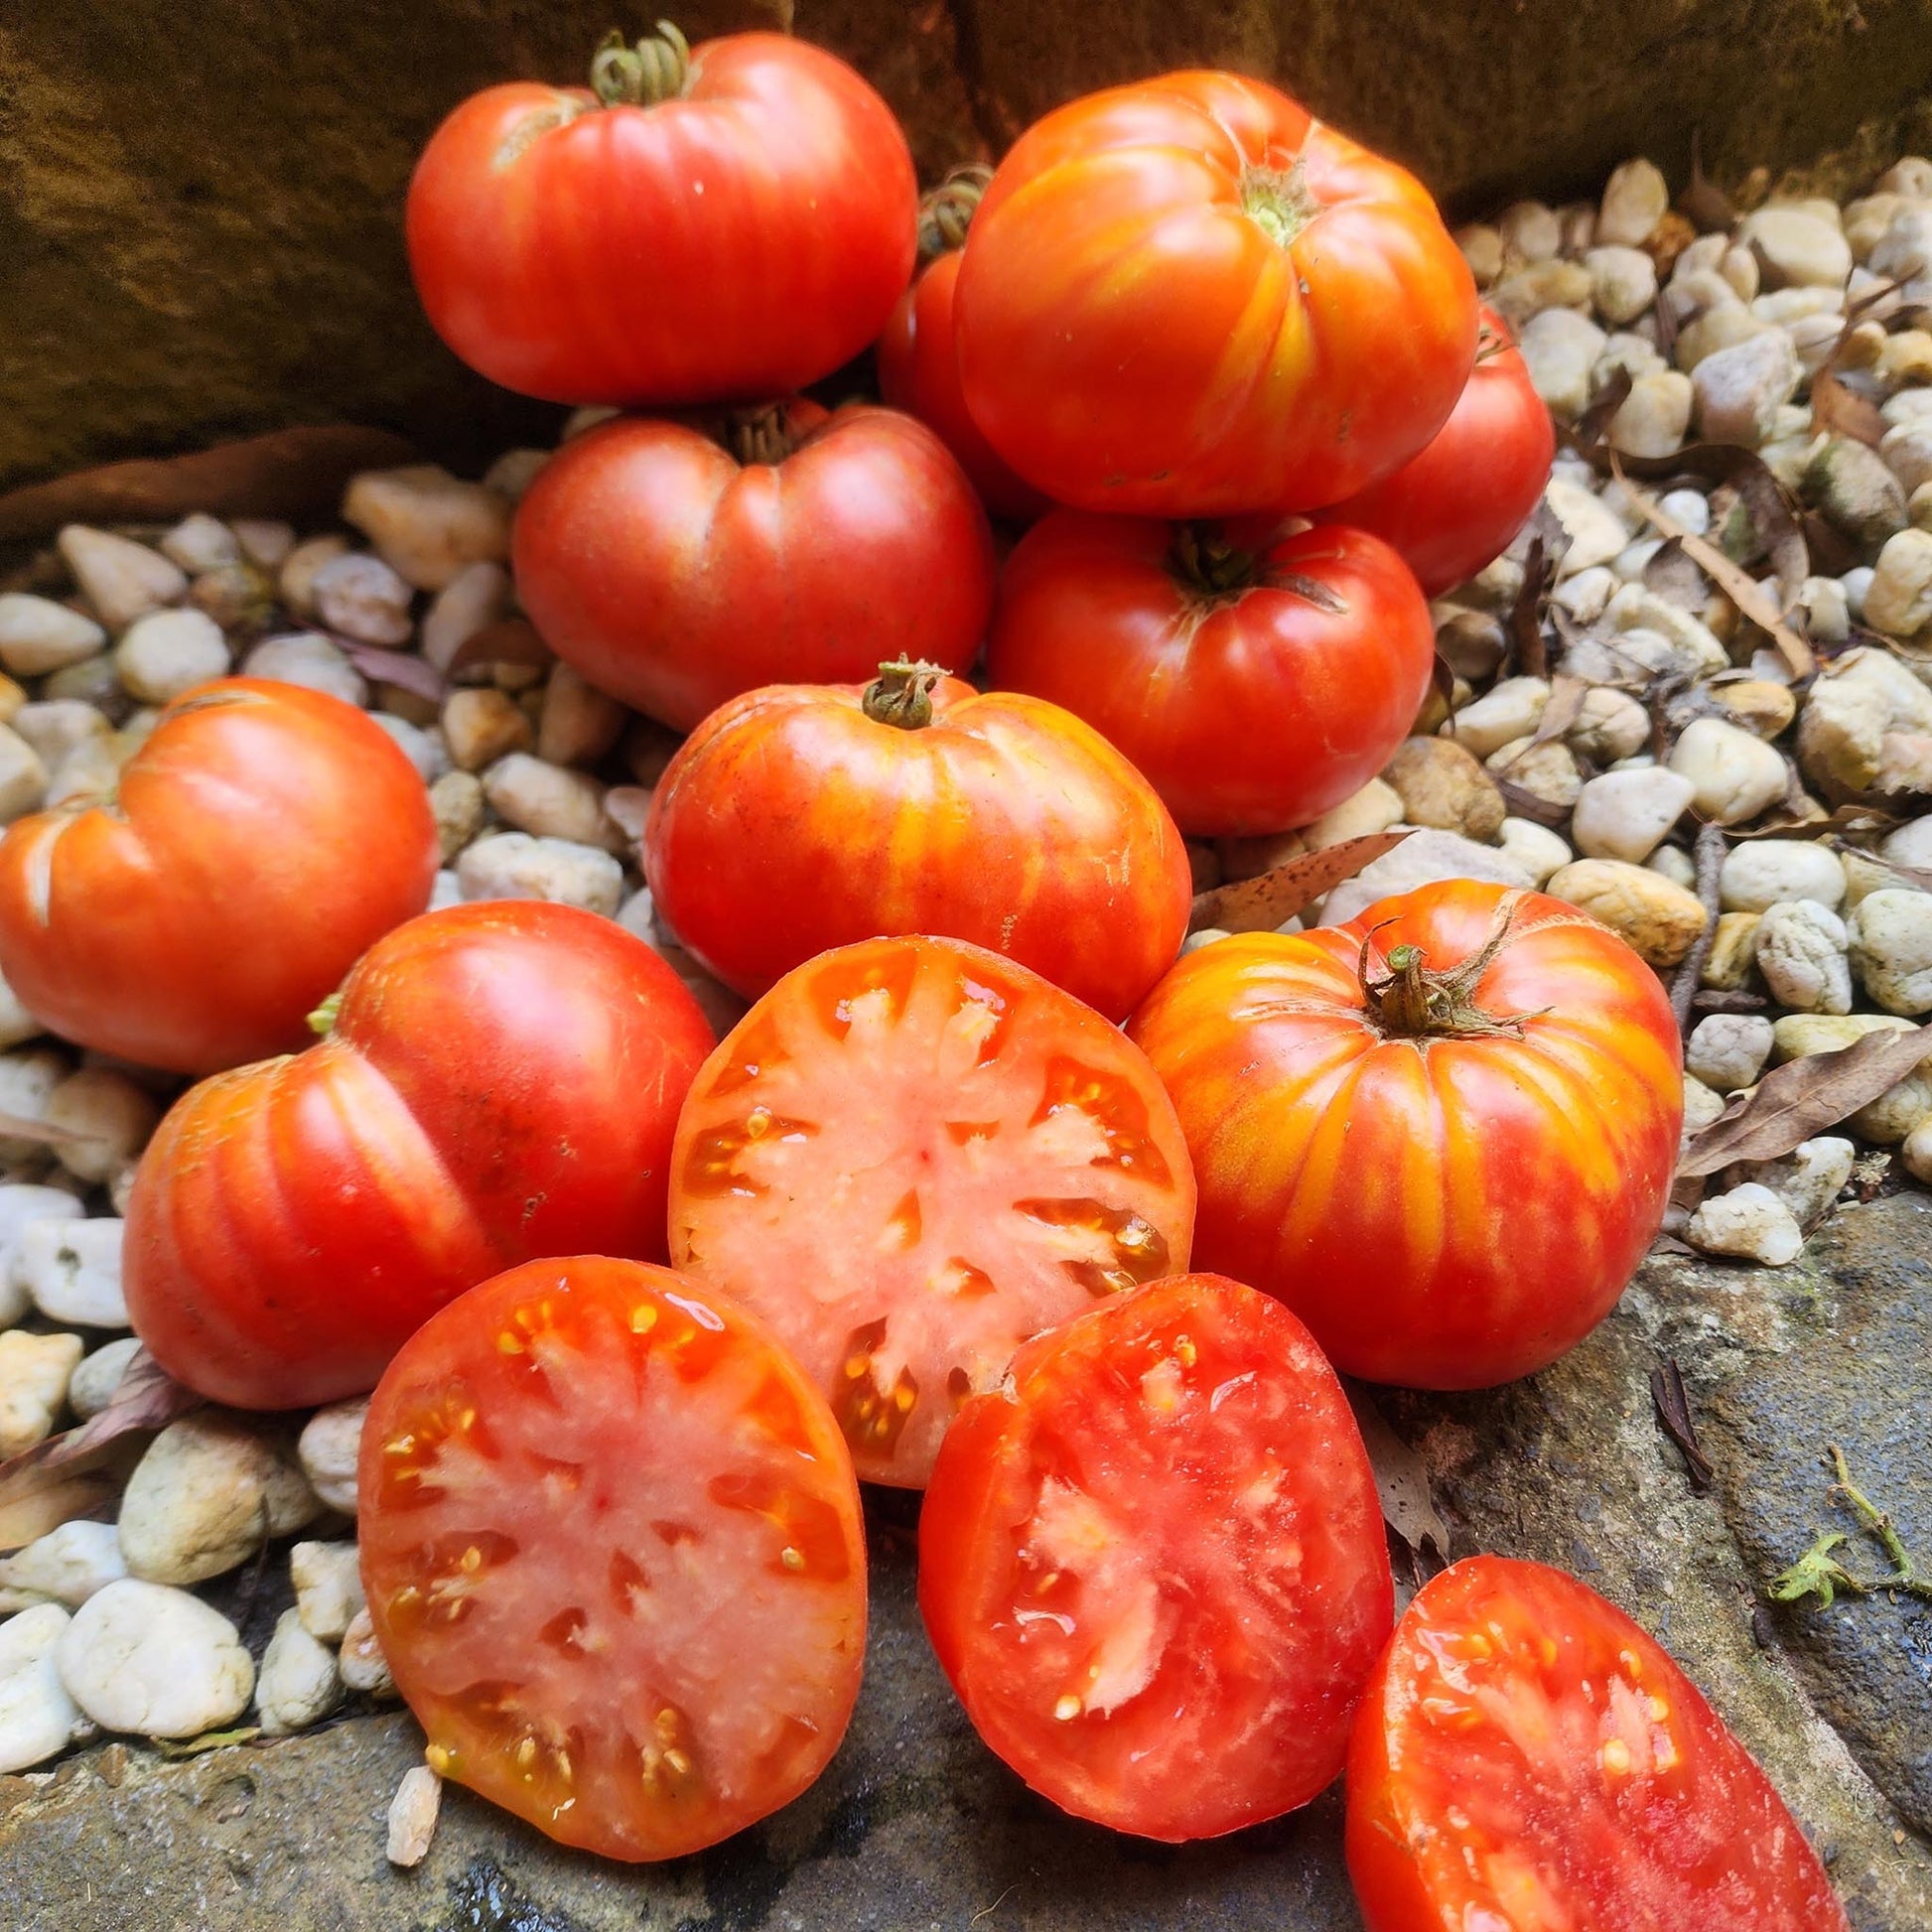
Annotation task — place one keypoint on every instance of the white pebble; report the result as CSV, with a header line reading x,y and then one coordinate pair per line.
x,y
1627,814
1759,873
298,1685
1899,600
579,724
1727,1051
513,864
112,1115
34,1374
1635,198
1864,716
202,542
23,776
363,597
1807,1179
264,541
121,579
412,1816
481,726
1739,390
1596,534
1509,710
1800,951
313,662
68,1565
477,597
1560,349
1689,510
360,1660
512,473
1623,282
1891,950
328,1588
100,1375
1796,248
169,653
28,1078
423,749
1734,773
1911,844
21,1203
156,1662
37,636
1917,1151
38,1719
1702,1105
72,1270
17,1025
1654,418
295,583
551,801
1751,1223
1537,849
1585,592
426,523
1674,863
1374,809
329,1443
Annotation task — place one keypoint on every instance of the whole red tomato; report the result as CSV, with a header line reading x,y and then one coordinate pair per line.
x,y
1455,507
703,225
918,358
1527,1756
1443,1133
676,569
1256,687
1186,298
499,1081
802,817
261,838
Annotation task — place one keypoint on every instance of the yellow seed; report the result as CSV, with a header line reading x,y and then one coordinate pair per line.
x,y
1478,1645
667,1723
1067,1708
402,1445
643,1320
758,1123
405,1597
563,1766
1615,1757
678,1764
438,1760
1550,1652
526,1753
855,1366
467,1421
508,1345
1658,1708
1184,1351
904,1398
472,1560
791,1558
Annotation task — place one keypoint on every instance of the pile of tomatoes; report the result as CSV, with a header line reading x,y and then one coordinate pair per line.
x,y
929,1209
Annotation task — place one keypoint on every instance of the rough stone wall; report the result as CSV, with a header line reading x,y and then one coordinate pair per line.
x,y
199,207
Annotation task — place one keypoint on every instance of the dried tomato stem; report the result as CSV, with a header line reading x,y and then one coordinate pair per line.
x,y
902,694
1416,1002
657,68
758,436
1204,562
948,210
1278,202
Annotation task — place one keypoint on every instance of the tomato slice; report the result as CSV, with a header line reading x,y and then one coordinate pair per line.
x,y
908,1157
1530,1760
611,1545
1152,1563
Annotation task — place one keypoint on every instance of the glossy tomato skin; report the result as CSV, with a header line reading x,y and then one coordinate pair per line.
x,y
790,821
674,578
612,1552
1133,339
501,1080
917,359
1448,1214
1454,506
1151,1562
1253,708
260,839
1608,1797
734,243
909,1157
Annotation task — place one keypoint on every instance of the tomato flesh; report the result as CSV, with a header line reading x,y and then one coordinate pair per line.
x,y
1152,1563
1528,1760
612,1546
910,1155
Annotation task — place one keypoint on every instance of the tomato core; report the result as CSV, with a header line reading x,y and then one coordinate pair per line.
x,y
1204,563
1416,1002
902,694
1278,202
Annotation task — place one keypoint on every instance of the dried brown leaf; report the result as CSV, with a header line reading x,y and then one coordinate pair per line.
x,y
1260,905
1525,626
43,1133
403,668
1441,679
1587,433
1819,825
1524,803
1919,875
1673,1405
1677,577
1400,1479
1837,410
1711,210
1566,706
289,473
1804,1096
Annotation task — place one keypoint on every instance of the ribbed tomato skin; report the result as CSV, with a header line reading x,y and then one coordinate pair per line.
x,y
732,244
1444,1214
790,822
260,839
502,1081
1133,338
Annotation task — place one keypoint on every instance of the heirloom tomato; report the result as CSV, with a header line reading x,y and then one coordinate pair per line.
x,y
708,226
908,1157
1529,1760
676,569
1455,507
802,817
1257,680
1444,1134
613,1553
1186,298
918,357
1153,1565
499,1081
260,839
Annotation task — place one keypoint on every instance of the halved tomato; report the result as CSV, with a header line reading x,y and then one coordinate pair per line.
x,y
1528,1760
1152,1563
611,1545
910,1155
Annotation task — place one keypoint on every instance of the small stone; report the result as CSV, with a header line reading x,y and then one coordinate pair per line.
x,y
21,1204
298,1685
329,1586
1857,712
201,542
1660,921
38,1719
360,1660
1899,600
1694,649
1482,249
1732,947
23,776
512,473
34,1374
482,726
112,1116
140,1657
1760,873
1919,510
1626,354
93,682
71,1270
1596,534
1630,563
1801,953
1546,771
456,800
1674,863
1762,708
1734,773
121,579
1585,595
315,662
1441,785
68,1565
475,598
412,1816
1623,282
513,864
56,727
1701,1105
1751,1223
1510,710
265,541
296,583
1537,849
1856,493
1532,291
28,1078
1727,1051
1796,248
1891,950
423,750
1376,807
1635,198
37,636
426,523
1472,641
1560,349
17,1025
1906,452
329,1443
1740,389
578,723
167,652
1910,843
363,597
1420,858
1530,232
1720,328
1610,726
100,1375
1627,814
1655,417
1689,508
1808,1180
209,1490
549,800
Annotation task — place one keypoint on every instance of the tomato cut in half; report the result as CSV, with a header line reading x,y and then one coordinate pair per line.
x,y
612,1546
1153,1565
1528,1760
910,1155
